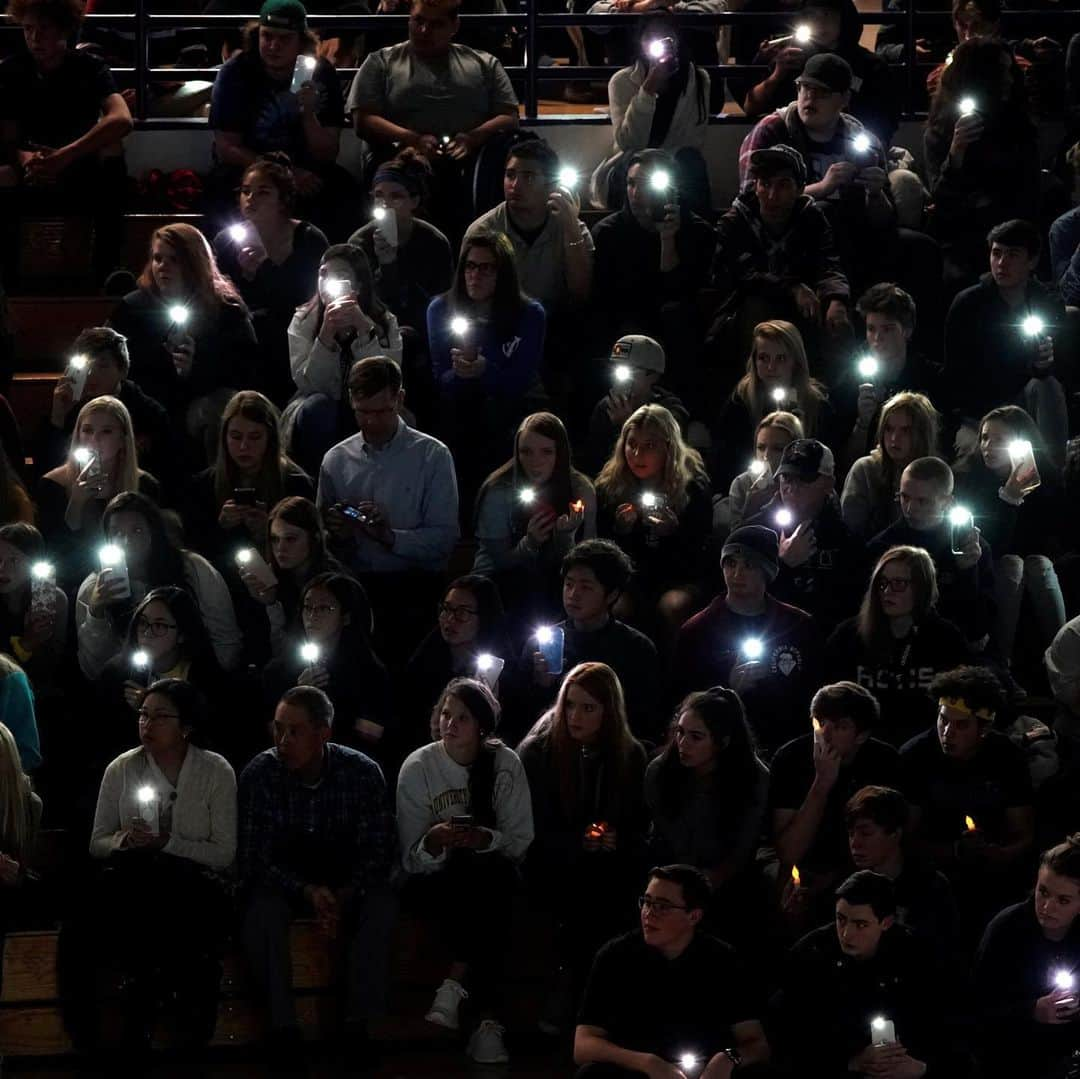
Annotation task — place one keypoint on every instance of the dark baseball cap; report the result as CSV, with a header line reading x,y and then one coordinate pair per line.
x,y
284,15
827,71
806,459
779,158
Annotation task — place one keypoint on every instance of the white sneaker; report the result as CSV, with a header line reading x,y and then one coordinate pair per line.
x,y
486,1046
444,1008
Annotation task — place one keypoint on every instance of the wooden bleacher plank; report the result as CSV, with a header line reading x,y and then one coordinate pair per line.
x,y
29,968
33,1032
45,326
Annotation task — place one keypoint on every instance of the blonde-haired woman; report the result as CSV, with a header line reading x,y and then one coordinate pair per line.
x,y
655,502
586,775
908,427
20,817
777,377
754,488
897,643
102,461
189,334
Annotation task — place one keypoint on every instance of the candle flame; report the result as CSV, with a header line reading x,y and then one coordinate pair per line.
x,y
796,876
969,823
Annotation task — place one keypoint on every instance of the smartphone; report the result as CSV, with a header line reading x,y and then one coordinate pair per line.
x,y
550,646
386,224
354,514
113,560
76,374
959,535
461,821
42,595
250,559
244,496
1022,457
303,69
882,1031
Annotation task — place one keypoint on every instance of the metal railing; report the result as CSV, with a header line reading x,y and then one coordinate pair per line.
x,y
142,25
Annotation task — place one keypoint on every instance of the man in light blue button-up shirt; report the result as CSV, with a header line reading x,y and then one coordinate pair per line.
x,y
388,494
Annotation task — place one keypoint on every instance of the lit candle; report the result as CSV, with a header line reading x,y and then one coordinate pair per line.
x,y
796,876
969,823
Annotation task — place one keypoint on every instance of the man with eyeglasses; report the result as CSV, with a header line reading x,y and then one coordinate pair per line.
x,y
445,100
389,497
822,564
847,171
670,1001
316,840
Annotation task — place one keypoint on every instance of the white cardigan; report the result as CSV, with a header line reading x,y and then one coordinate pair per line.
x,y
98,641
203,805
632,111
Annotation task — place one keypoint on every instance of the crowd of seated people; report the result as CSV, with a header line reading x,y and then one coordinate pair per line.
x,y
410,546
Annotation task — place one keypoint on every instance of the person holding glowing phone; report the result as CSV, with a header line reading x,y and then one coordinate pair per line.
x,y
1027,973
271,254
189,334
655,503
1009,483
344,321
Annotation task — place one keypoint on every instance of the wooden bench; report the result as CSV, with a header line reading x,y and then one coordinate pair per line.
x,y
31,1023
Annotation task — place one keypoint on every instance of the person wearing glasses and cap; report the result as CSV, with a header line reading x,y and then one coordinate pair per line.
x,y
822,564
670,1000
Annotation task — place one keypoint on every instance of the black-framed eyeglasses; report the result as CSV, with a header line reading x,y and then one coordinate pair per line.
x,y
657,906
458,614
153,629
318,608
156,717
893,584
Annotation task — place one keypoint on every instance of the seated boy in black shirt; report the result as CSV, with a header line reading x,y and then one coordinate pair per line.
x,y
972,790
669,1000
813,777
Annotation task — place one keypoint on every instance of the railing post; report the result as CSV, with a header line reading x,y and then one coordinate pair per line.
x,y
532,62
142,58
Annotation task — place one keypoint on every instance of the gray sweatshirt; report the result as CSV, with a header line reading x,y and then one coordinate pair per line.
x,y
433,787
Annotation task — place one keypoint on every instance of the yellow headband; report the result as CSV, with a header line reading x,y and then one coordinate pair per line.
x,y
960,705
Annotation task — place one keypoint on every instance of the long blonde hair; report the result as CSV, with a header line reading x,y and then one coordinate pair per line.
x,y
810,393
128,478
14,789
683,464
925,432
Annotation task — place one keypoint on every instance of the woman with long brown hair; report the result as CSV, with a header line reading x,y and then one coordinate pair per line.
x,y
189,334
586,775
227,504
897,643
530,511
908,427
